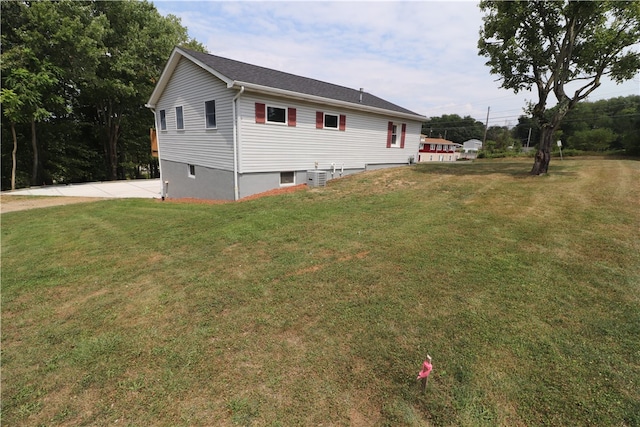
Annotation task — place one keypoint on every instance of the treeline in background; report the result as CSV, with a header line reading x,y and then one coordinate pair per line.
x,y
609,125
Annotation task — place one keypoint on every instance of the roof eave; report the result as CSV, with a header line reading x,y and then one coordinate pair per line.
x,y
313,98
170,67
177,53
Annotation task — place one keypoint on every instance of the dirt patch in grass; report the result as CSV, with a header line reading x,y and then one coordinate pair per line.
x,y
326,255
70,306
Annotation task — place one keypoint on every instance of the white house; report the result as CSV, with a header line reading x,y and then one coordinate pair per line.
x,y
227,129
472,146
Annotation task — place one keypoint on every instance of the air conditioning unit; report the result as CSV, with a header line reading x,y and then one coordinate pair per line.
x,y
316,178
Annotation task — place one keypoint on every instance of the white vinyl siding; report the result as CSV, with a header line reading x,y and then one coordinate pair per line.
x,y
267,148
189,87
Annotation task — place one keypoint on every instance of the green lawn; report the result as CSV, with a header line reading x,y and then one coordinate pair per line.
x,y
318,307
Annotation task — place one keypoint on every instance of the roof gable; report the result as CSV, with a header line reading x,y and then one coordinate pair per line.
x,y
232,71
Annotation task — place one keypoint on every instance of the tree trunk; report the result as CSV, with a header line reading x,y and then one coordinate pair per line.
x,y
543,156
13,156
34,145
111,122
113,151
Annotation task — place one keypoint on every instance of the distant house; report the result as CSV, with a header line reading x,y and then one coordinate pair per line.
x,y
470,148
227,129
437,150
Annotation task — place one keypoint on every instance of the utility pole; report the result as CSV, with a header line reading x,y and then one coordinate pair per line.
x,y
529,138
486,126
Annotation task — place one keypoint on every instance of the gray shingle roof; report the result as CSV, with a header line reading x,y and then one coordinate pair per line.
x,y
243,72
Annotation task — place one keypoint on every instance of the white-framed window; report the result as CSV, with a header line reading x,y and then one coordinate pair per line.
x,y
163,120
330,121
191,171
395,140
396,133
210,114
179,118
287,178
276,114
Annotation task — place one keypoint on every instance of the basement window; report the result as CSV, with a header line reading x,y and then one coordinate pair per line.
x,y
192,171
287,178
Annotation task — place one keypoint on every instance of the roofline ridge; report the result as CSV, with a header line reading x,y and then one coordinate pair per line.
x,y
280,71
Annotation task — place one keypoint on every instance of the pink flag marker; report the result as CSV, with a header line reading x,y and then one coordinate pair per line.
x,y
423,376
426,369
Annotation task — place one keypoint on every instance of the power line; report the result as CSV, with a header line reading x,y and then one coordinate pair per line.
x,y
441,127
590,117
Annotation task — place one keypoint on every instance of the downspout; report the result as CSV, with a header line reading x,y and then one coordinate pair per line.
x,y
162,183
235,144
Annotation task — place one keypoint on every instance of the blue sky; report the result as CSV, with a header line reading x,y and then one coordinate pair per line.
x,y
419,55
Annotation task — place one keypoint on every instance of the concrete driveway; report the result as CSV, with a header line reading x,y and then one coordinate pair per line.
x,y
139,188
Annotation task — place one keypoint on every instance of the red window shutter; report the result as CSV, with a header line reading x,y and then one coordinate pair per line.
x,y
389,133
343,122
319,119
404,131
260,113
291,113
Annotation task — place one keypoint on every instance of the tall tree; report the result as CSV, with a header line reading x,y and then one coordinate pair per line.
x,y
47,50
551,44
136,46
11,109
25,103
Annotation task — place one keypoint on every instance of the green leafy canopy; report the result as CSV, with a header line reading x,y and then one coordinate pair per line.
x,y
549,44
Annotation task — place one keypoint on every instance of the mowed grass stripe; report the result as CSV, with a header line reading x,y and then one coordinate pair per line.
x,y
318,307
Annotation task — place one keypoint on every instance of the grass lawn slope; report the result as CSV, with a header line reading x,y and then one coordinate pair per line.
x,y
318,307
